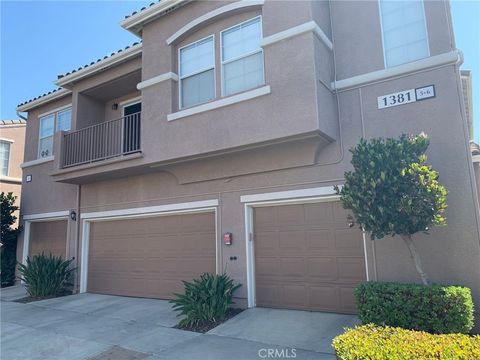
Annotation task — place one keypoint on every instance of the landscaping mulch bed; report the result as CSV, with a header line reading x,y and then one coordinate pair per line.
x,y
29,299
207,326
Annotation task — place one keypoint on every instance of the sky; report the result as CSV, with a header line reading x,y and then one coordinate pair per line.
x,y
41,39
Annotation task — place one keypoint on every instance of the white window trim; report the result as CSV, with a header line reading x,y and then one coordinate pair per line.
x,y
322,194
9,142
50,112
137,213
157,80
56,119
211,15
222,62
383,39
309,26
226,101
29,219
40,138
55,113
37,161
180,77
452,57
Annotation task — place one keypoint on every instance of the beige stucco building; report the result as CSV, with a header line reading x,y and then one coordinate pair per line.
x,y
12,144
214,145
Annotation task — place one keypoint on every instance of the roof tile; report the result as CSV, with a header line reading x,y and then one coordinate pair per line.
x,y
80,68
143,8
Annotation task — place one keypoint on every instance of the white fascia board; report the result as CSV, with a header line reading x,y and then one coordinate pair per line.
x,y
122,56
290,194
150,210
452,57
310,26
46,216
211,15
37,161
157,79
145,15
44,99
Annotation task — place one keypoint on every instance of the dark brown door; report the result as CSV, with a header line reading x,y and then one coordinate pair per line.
x,y
131,128
48,237
150,257
307,257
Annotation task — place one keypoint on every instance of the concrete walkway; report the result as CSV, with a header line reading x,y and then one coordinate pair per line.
x,y
101,327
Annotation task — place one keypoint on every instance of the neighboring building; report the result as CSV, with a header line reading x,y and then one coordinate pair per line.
x,y
466,77
12,144
214,145
476,164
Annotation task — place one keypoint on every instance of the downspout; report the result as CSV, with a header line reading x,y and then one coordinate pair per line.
x,y
21,116
76,239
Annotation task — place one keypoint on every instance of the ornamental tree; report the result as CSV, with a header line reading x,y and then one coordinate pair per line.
x,y
393,191
8,238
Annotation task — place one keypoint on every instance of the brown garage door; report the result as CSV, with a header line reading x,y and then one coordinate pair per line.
x,y
306,257
48,237
150,257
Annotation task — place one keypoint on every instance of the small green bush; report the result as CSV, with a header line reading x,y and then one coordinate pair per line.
x,y
46,276
435,308
206,299
388,343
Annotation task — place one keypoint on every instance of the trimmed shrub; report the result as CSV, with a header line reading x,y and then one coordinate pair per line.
x,y
46,276
388,343
435,308
206,299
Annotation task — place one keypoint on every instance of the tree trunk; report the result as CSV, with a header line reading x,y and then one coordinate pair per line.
x,y
416,258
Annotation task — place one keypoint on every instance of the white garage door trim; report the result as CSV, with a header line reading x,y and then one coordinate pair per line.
x,y
303,196
140,213
41,217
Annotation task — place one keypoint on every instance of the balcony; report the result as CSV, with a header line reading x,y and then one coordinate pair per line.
x,y
100,142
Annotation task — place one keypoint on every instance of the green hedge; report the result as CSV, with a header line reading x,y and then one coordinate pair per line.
x,y
388,343
436,309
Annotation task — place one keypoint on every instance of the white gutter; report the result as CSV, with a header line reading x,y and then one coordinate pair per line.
x,y
133,23
101,65
42,100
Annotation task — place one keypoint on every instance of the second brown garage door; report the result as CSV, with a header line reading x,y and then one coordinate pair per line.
x,y
307,257
48,237
150,257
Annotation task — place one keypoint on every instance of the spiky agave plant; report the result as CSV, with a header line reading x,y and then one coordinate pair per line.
x,y
46,275
206,299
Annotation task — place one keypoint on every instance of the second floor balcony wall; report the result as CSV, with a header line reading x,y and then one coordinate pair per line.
x,y
102,141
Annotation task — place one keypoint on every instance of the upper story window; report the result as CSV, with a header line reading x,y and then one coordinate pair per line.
x,y
64,120
197,72
4,157
242,57
61,121
404,31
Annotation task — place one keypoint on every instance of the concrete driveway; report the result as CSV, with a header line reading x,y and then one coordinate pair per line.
x,y
101,327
